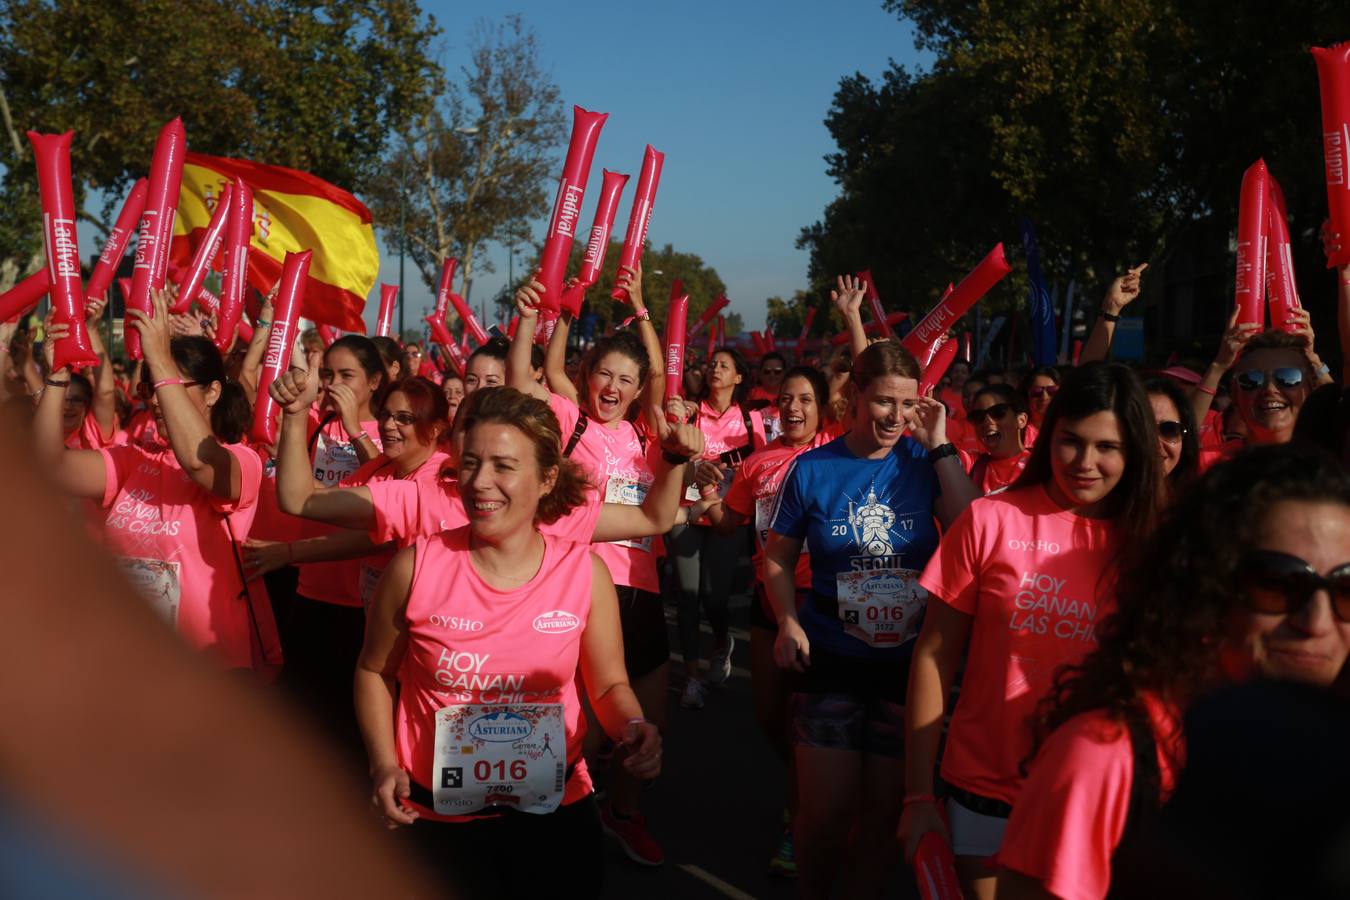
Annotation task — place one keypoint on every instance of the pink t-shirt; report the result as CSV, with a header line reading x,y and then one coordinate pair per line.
x,y
335,461
1071,814
618,466
90,437
143,432
172,539
408,510
994,474
726,431
754,491
469,643
1029,437
1037,579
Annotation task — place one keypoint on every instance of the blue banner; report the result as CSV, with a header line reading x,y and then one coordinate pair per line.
x,y
1040,311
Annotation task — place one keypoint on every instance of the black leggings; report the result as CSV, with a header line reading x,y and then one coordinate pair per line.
x,y
325,641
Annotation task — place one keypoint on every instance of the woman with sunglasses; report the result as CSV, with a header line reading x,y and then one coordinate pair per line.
x,y
1272,600
997,418
1022,580
1039,386
174,513
1178,445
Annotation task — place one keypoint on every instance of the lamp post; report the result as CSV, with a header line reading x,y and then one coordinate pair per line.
x,y
402,238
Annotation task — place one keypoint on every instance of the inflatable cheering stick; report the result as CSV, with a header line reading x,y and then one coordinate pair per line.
x,y
234,281
806,329
325,334
873,297
156,228
116,245
562,228
444,289
441,336
280,341
1249,287
937,367
52,153
1281,288
933,327
593,261
640,218
24,296
191,279
935,869
385,323
676,319
708,315
965,347
1333,74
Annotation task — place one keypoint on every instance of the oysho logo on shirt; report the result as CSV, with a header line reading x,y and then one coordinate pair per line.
x,y
556,621
1051,547
456,623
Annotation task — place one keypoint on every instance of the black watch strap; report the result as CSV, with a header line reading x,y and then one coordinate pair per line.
x,y
673,459
937,454
1110,317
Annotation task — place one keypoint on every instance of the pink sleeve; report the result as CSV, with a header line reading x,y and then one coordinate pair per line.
x,y
396,509
250,480
117,463
567,413
91,435
578,525
1070,813
757,425
952,573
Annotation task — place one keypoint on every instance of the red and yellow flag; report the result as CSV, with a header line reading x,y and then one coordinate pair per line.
x,y
292,211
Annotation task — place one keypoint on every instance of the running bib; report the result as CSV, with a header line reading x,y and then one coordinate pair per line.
x,y
334,461
507,754
627,492
764,516
880,607
157,581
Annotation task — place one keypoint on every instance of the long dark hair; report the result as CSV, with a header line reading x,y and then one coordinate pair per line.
x,y
625,343
1188,466
741,390
1108,387
1177,593
198,359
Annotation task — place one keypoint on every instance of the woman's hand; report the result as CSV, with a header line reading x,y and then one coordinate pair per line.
x,y
630,282
1235,337
344,403
52,332
792,648
391,785
261,557
848,295
642,741
184,325
93,309
916,820
155,334
528,300
294,391
707,473
1123,291
928,422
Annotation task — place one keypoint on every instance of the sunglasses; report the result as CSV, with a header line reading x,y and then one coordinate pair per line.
x,y
1048,390
145,390
1276,584
993,413
1170,431
1255,379
400,417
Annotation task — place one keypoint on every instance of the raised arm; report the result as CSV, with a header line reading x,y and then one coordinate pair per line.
x,y
518,369
252,364
847,297
555,359
1331,243
1235,337
928,424
656,515
1121,294
78,472
654,394
104,405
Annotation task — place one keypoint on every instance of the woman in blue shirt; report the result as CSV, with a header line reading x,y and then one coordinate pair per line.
x,y
865,505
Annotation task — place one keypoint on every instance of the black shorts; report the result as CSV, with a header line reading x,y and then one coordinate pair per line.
x,y
845,721
646,644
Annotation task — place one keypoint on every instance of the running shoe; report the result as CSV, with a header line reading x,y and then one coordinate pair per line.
x,y
633,837
694,693
784,860
719,667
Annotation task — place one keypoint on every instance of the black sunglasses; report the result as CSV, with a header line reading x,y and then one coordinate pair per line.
x,y
994,413
1255,379
1276,583
1171,431
402,417
1048,390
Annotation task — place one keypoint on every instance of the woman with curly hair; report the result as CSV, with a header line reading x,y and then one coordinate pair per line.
x,y
1248,577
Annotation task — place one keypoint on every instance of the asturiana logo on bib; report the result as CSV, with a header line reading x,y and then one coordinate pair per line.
x,y
500,727
556,621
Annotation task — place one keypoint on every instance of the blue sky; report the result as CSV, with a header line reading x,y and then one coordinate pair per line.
x,y
734,92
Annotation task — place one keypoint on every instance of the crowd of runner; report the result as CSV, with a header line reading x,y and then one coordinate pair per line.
x,y
984,614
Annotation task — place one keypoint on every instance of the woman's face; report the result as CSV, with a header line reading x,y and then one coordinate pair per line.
x,y
997,425
412,359
1039,394
798,410
1169,450
722,374
340,366
612,386
1270,409
885,406
398,428
74,408
484,371
500,481
454,394
1308,642
1087,459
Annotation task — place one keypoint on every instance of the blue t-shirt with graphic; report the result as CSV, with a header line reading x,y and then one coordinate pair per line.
x,y
859,516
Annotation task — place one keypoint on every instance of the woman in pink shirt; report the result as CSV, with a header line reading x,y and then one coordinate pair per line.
x,y
1022,578
998,420
174,514
1040,387
1271,600
467,688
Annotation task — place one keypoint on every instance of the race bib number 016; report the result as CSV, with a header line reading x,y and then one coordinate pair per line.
x,y
512,754
627,492
881,607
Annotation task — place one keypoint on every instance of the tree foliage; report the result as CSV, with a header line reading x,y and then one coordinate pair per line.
x,y
1120,127
660,267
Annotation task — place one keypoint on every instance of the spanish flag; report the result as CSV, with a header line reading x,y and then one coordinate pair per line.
x,y
292,211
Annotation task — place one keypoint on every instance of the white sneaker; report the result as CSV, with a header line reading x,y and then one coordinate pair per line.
x,y
719,667
693,695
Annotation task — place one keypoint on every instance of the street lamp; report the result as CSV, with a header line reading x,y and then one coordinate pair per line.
x,y
402,238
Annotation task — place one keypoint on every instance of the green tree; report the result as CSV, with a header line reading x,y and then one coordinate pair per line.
x,y
317,85
660,267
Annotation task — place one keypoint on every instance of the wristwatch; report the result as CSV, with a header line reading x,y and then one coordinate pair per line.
x,y
674,459
1110,317
937,454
